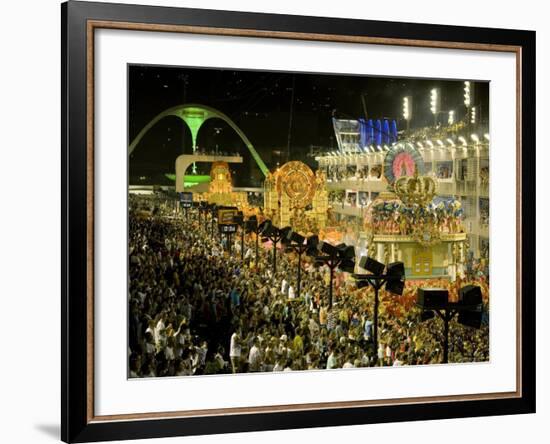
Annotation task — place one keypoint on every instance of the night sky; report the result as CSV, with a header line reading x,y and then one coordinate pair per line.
x,y
259,103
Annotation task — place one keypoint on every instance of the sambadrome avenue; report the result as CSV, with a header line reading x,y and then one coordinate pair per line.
x,y
305,222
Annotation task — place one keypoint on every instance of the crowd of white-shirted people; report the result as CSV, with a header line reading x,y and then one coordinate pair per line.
x,y
196,308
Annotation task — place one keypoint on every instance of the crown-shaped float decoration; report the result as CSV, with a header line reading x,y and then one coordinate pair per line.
x,y
418,190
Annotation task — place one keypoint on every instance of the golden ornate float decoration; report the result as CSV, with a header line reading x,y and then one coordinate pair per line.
x,y
296,196
298,182
419,190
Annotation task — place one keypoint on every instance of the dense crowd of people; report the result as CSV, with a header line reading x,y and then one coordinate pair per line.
x,y
196,308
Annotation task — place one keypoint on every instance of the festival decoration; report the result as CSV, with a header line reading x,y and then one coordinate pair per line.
x,y
220,190
415,190
294,195
402,160
297,181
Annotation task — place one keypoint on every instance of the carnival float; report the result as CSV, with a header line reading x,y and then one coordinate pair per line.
x,y
296,196
410,223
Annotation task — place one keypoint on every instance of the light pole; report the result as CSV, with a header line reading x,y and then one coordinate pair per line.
x,y
296,242
202,209
407,109
394,279
341,256
436,301
239,220
253,227
274,234
212,208
435,103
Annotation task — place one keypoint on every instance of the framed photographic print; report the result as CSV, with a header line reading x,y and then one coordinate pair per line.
x,y
276,221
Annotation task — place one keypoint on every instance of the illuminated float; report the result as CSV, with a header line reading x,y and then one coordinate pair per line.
x,y
296,196
410,223
220,190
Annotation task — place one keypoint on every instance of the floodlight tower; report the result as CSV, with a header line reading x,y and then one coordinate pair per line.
x,y
394,279
469,309
298,243
274,234
469,101
435,103
407,109
341,256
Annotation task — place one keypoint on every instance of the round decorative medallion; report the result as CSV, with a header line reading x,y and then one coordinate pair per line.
x,y
297,181
402,160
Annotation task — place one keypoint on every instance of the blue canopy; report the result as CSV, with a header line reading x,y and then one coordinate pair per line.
x,y
393,131
386,132
378,132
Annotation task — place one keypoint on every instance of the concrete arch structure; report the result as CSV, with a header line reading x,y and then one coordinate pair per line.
x,y
194,115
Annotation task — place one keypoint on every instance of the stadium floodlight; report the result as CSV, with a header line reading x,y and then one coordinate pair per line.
x,y
312,242
435,103
393,279
295,237
285,231
341,256
473,115
407,109
264,226
433,100
469,308
347,254
451,118
327,248
272,233
467,94
296,242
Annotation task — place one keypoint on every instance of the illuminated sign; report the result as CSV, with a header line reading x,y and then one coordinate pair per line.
x,y
225,216
229,228
186,199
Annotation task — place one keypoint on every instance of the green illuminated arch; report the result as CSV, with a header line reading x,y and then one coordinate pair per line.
x,y
194,116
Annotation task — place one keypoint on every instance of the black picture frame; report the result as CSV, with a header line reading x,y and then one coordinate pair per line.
x,y
76,423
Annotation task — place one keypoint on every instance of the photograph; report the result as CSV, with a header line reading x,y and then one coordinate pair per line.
x,y
294,221
272,222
